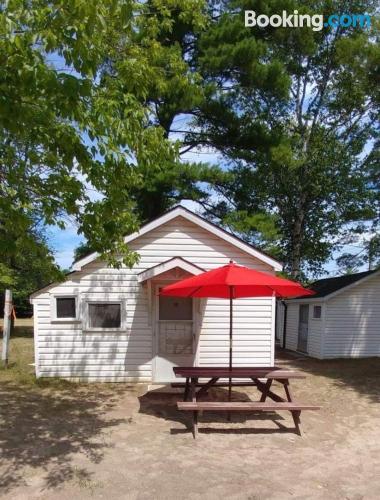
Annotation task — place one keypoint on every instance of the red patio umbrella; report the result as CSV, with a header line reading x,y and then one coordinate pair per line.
x,y
232,282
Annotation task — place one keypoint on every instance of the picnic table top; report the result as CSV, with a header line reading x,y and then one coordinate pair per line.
x,y
274,372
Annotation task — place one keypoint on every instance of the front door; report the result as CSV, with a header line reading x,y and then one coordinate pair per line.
x,y
303,328
175,339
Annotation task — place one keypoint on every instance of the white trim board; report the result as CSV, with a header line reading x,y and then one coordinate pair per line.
x,y
168,265
199,221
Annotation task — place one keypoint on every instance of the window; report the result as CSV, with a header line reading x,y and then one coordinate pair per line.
x,y
64,308
176,338
175,308
175,316
317,312
104,316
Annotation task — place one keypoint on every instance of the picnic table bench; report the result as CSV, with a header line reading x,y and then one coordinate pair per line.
x,y
255,375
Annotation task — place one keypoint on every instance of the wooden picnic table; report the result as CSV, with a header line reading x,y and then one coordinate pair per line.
x,y
192,374
260,377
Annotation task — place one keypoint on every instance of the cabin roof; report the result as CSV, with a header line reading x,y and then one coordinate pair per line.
x,y
167,265
199,221
328,287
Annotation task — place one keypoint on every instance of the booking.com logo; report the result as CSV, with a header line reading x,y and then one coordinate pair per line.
x,y
315,21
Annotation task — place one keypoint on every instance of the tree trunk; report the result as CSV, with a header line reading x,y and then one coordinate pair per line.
x,y
296,246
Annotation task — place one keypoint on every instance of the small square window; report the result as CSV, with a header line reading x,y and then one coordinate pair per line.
x,y
175,308
65,307
317,312
102,315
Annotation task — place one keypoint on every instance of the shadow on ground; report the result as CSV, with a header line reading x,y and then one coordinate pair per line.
x,y
43,428
361,375
21,331
163,405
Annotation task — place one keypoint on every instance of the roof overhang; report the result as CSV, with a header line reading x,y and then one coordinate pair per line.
x,y
301,300
168,265
307,299
197,220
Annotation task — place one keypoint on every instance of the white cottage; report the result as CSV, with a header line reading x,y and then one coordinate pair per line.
x,y
109,324
341,321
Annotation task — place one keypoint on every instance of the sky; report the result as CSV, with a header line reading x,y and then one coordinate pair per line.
x,y
63,242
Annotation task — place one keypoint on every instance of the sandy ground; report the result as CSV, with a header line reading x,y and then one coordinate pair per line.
x,y
118,441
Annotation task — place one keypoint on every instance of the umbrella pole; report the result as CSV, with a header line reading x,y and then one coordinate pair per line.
x,y
231,317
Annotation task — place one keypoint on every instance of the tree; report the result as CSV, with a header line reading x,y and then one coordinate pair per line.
x,y
63,132
81,251
295,112
164,42
26,265
368,254
349,263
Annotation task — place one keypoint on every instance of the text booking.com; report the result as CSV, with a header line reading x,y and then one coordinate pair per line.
x,y
316,21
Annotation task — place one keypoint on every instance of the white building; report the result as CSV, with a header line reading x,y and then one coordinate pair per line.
x,y
110,324
341,321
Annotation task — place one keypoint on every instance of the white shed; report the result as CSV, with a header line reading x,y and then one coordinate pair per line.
x,y
110,324
341,321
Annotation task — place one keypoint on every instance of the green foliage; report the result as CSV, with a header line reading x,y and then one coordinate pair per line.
x,y
25,265
296,113
167,31
81,251
369,255
160,53
7,278
257,228
348,263
92,98
64,127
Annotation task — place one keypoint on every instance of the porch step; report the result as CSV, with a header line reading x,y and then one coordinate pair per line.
x,y
164,389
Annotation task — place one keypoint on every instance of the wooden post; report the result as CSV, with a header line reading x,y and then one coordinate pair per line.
x,y
6,326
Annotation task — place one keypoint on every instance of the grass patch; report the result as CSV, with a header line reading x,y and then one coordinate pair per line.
x,y
20,369
21,354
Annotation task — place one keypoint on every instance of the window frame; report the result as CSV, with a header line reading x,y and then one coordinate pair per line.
x,y
316,317
123,315
53,308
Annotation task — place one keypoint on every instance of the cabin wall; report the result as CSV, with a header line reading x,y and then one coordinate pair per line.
x,y
67,350
292,327
315,337
315,333
353,322
280,318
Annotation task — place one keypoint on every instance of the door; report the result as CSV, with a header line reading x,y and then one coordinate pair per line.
x,y
303,328
175,338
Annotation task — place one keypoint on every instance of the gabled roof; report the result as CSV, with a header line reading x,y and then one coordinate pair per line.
x,y
163,267
329,287
199,221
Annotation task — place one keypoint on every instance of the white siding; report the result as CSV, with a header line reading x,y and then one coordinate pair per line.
x,y
252,337
64,349
280,318
292,327
314,340
353,321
